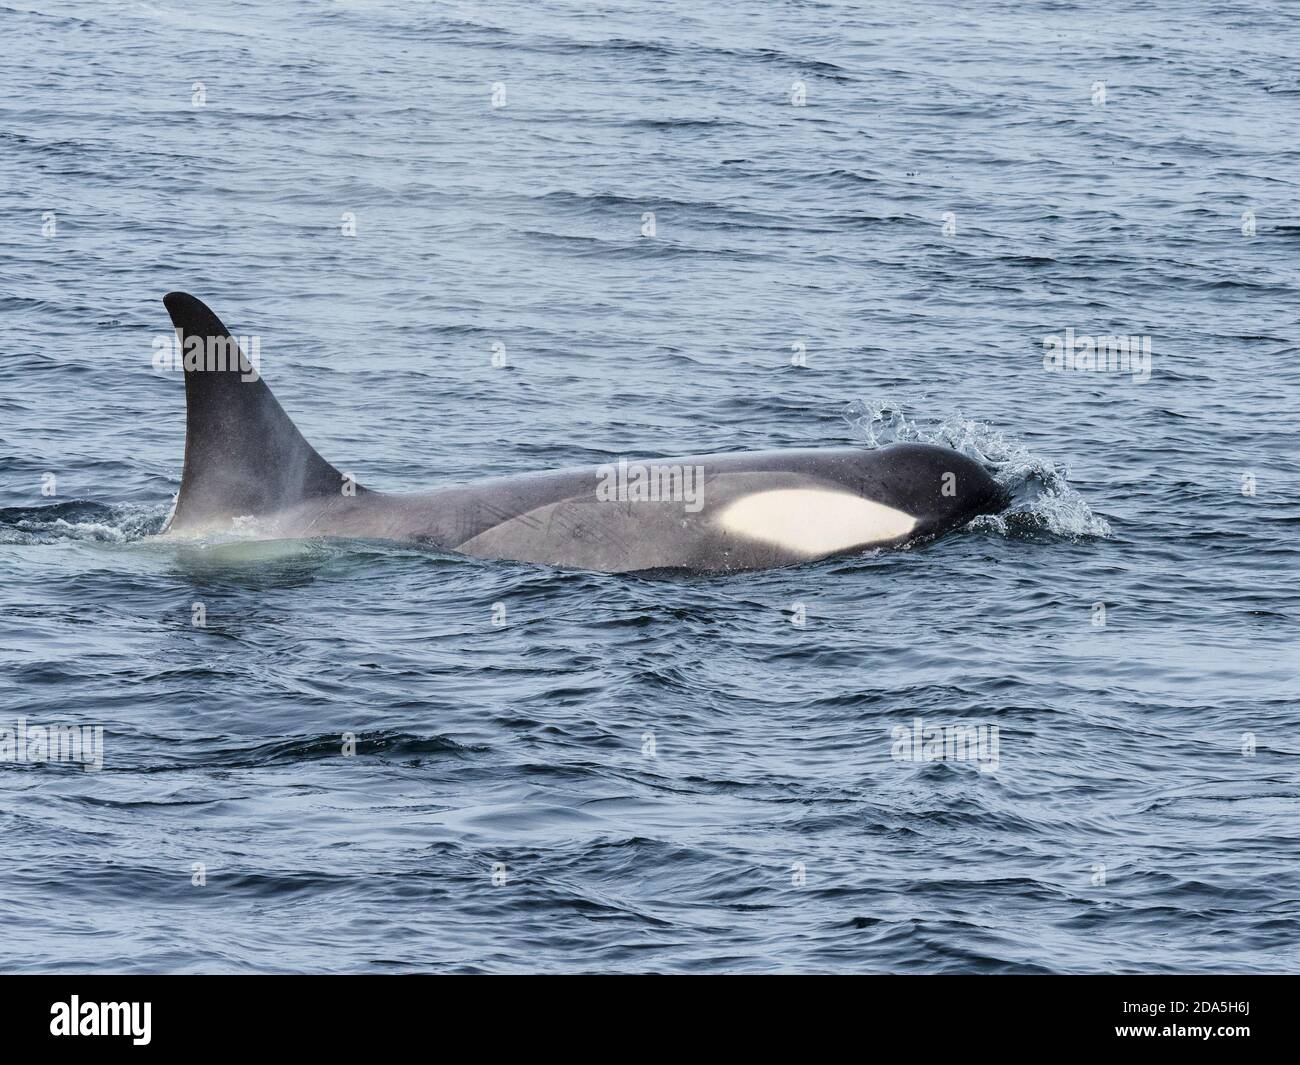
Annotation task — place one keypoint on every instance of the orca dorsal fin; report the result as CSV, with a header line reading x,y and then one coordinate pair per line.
x,y
243,454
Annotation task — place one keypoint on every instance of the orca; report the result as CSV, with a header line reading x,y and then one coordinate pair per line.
x,y
248,469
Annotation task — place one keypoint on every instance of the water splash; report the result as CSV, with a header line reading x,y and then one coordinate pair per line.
x,y
81,520
1042,499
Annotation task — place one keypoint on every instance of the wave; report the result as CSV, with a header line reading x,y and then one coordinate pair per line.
x,y
81,519
1042,500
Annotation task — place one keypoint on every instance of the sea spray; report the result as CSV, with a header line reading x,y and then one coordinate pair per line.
x,y
1042,499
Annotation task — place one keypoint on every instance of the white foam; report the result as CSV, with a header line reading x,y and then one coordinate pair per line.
x,y
1042,497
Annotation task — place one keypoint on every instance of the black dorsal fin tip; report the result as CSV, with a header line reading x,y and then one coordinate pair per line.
x,y
243,454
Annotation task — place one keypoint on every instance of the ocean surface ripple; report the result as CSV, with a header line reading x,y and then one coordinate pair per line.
x,y
375,758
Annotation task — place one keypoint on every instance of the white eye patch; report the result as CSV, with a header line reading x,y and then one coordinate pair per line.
x,y
814,522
